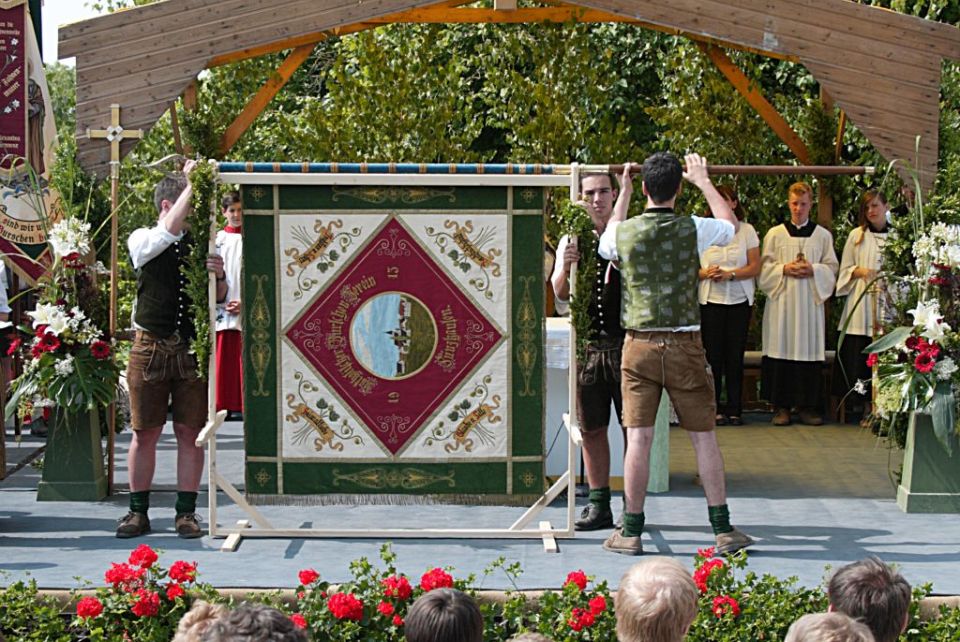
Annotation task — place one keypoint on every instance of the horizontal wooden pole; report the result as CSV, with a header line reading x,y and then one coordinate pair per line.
x,y
748,170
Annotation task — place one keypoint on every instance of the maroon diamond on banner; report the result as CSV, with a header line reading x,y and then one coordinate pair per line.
x,y
393,335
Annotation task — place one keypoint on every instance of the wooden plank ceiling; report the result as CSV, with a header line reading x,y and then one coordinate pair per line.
x,y
881,67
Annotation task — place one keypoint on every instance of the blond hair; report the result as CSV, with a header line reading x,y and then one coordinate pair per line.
x,y
656,601
828,627
195,621
800,187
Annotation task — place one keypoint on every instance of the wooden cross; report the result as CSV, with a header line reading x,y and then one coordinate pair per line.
x,y
114,133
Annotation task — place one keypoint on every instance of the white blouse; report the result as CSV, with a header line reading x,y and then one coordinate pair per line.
x,y
729,257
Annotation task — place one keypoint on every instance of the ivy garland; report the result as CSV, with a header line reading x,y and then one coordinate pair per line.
x,y
195,269
577,224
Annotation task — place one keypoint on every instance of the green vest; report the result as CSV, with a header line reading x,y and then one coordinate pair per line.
x,y
162,305
659,262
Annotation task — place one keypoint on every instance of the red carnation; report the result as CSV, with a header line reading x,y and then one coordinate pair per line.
x,y
174,590
100,349
436,578
598,605
397,586
308,576
702,574
89,607
723,604
385,608
147,604
579,578
397,620
143,556
345,606
48,342
924,362
298,621
182,571
872,359
14,346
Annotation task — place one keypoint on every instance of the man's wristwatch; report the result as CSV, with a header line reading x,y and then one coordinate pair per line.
x,y
733,275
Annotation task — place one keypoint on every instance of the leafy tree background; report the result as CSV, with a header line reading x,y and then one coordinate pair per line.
x,y
517,93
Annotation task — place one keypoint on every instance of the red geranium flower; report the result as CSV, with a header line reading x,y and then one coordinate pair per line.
x,y
48,342
308,576
89,607
385,608
147,604
436,578
397,620
100,349
298,621
723,604
702,574
143,556
598,605
14,346
924,362
174,590
706,553
182,571
397,586
578,578
345,606
124,576
580,619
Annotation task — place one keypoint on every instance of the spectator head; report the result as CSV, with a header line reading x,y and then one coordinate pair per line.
x,y
828,627
874,593
197,620
662,175
444,615
253,623
656,601
168,189
530,636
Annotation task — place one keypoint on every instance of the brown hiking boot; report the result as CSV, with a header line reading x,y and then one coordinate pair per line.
x,y
733,541
811,418
617,543
782,417
133,524
188,525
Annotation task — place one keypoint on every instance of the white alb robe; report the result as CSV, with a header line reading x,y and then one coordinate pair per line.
x,y
868,253
793,319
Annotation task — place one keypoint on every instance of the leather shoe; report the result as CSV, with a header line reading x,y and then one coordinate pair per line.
x,y
733,541
782,417
811,418
188,525
617,543
133,524
594,518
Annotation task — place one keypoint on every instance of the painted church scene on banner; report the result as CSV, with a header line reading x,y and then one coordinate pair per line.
x,y
496,320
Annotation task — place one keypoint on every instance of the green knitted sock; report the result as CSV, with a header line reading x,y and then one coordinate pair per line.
x,y
600,497
140,501
186,502
719,519
633,524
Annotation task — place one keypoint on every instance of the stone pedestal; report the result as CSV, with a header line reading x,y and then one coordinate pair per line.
x,y
73,467
931,475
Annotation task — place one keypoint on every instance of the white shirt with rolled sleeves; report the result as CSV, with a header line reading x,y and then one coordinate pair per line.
x,y
710,231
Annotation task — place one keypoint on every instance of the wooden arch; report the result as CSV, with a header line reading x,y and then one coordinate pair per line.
x,y
881,67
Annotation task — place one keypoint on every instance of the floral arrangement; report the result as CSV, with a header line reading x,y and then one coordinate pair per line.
x,y
916,364
141,599
575,222
68,362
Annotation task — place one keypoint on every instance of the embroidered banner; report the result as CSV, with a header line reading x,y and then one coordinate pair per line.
x,y
393,347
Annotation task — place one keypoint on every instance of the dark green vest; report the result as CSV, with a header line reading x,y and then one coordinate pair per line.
x,y
658,264
163,306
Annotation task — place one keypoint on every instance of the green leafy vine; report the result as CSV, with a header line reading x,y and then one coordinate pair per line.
x,y
577,224
202,179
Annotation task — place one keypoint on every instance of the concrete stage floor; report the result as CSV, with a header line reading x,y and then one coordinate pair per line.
x,y
816,497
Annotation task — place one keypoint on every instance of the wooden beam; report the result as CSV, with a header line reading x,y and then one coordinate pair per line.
x,y
767,111
263,96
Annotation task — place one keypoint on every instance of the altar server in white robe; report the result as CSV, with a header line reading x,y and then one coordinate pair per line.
x,y
862,255
798,273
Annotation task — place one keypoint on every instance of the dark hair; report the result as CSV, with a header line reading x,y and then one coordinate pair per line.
x,y
253,623
169,189
730,193
865,199
873,592
662,174
613,183
444,615
230,198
